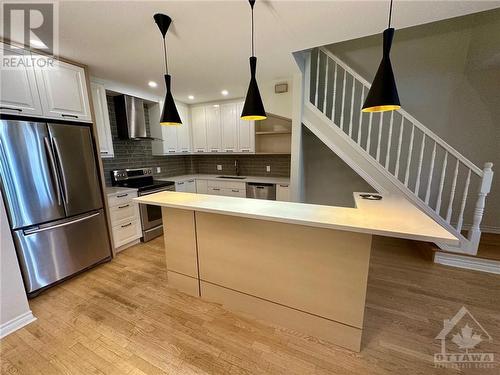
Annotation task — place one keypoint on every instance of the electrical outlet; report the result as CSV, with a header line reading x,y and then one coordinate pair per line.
x,y
268,168
219,167
158,169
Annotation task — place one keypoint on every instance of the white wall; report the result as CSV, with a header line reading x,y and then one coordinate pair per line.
x,y
448,77
327,179
14,309
277,104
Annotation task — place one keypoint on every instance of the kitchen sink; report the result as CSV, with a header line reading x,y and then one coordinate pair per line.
x,y
233,177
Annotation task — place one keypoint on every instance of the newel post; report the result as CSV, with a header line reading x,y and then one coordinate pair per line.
x,y
484,189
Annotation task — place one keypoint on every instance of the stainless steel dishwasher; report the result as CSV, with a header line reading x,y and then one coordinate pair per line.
x,y
261,191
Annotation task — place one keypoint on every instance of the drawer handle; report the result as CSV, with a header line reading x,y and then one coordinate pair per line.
x,y
215,151
235,191
126,225
216,189
191,181
125,206
71,116
12,109
171,151
121,195
180,183
283,185
245,150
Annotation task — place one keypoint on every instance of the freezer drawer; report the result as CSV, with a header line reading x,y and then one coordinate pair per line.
x,y
52,252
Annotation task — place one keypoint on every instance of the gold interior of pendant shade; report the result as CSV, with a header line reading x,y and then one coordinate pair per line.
x,y
253,118
382,108
170,123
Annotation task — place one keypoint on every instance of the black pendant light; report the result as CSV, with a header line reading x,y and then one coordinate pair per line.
x,y
383,94
253,108
169,115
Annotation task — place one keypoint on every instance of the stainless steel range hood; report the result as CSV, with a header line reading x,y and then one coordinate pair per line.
x,y
130,119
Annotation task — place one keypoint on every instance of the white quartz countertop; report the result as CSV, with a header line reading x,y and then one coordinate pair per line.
x,y
392,216
110,190
214,177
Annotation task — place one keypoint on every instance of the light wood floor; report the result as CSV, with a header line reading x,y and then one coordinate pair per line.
x,y
120,318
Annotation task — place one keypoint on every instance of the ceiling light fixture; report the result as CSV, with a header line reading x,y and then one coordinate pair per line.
x,y
225,92
383,94
190,97
169,115
253,108
152,84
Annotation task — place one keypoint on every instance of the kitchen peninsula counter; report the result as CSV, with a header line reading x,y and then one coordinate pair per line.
x,y
301,266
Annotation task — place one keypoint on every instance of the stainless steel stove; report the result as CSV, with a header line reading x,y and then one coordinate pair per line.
x,y
142,180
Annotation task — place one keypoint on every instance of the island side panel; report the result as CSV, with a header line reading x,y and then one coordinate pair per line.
x,y
321,272
180,249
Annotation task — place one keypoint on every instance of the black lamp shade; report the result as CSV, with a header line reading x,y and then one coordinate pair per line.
x,y
169,115
383,94
254,108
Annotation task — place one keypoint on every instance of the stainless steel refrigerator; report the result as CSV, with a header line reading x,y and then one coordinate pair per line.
x,y
53,198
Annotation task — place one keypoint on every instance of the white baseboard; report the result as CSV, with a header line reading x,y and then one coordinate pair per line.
x,y
470,263
14,324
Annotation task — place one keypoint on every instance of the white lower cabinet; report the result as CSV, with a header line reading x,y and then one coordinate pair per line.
x,y
227,188
202,186
124,217
283,192
186,186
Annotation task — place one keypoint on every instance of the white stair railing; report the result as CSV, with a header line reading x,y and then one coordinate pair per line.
x,y
440,180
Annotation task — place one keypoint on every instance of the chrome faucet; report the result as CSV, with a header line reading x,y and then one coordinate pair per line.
x,y
236,168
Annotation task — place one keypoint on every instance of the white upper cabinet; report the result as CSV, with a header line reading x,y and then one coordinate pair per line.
x,y
63,91
18,90
213,121
229,125
183,131
171,139
246,132
102,120
199,130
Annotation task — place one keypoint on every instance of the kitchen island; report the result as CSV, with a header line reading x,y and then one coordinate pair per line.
x,y
300,266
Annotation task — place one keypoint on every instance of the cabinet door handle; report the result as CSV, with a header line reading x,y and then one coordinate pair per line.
x,y
245,150
215,151
71,116
12,109
180,183
125,206
104,152
191,181
235,190
126,225
122,195
216,189
283,185
229,150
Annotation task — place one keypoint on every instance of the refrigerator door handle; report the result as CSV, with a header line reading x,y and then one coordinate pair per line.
x,y
38,230
64,183
53,170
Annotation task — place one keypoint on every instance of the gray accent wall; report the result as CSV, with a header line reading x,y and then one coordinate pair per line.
x,y
448,77
138,154
328,180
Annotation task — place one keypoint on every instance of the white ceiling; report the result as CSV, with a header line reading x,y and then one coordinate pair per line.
x,y
209,42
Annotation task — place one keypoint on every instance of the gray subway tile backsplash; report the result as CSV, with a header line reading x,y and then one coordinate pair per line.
x,y
137,154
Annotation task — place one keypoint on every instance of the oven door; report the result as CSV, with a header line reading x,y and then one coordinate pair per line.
x,y
151,220
150,216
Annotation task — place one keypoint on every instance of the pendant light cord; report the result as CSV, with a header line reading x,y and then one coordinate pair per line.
x,y
390,16
253,48
165,55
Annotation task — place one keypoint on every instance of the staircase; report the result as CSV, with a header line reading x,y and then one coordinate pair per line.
x,y
393,151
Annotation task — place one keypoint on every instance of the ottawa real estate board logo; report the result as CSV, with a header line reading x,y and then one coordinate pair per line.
x,y
32,25
460,338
